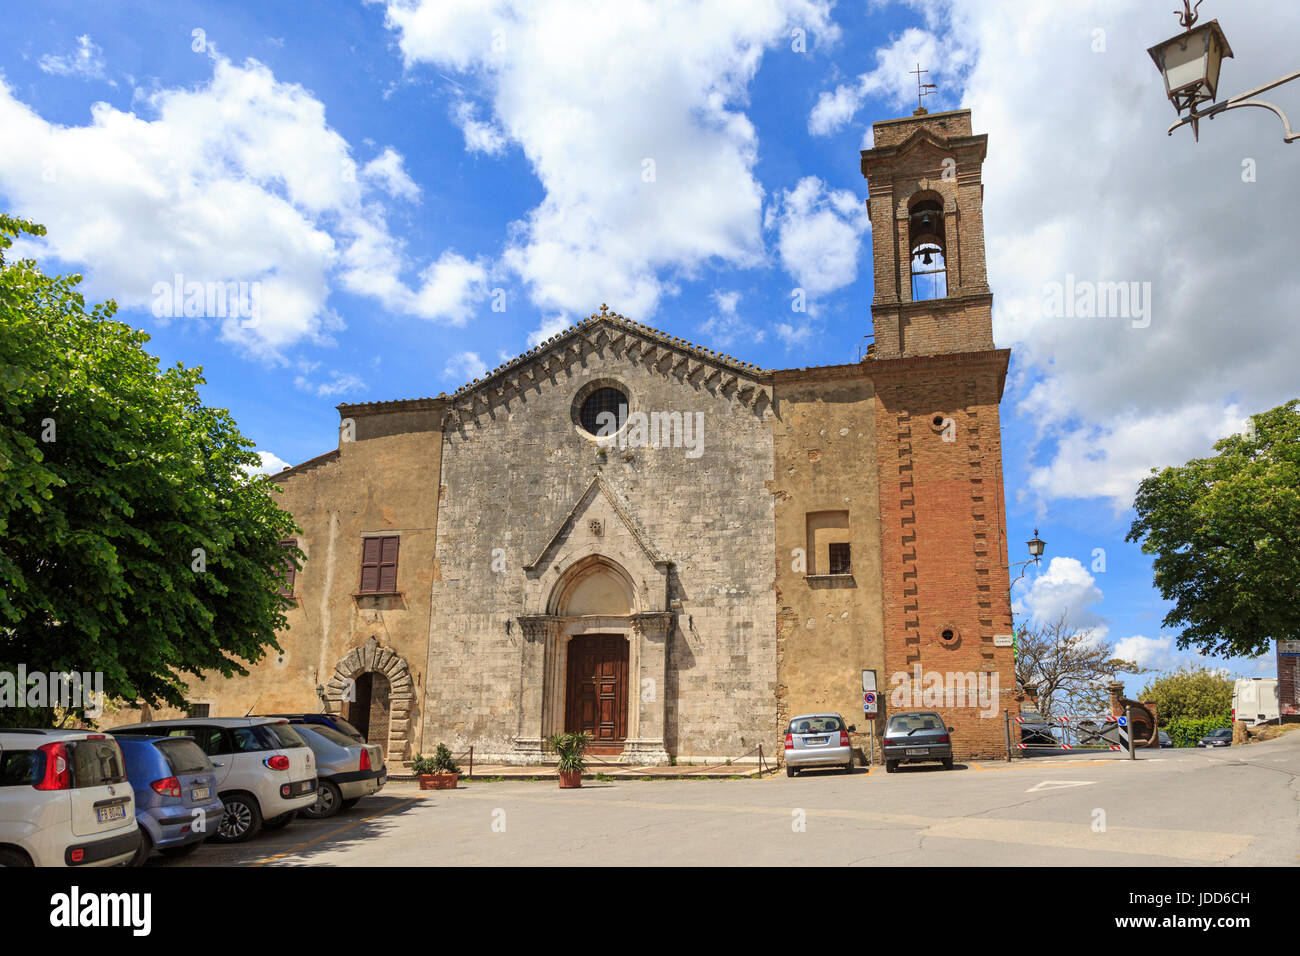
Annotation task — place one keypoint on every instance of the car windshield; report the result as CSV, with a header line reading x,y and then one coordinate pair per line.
x,y
184,756
279,736
822,724
329,733
912,723
347,728
96,762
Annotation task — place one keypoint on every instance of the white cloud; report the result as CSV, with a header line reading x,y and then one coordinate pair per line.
x,y
794,335
388,171
480,137
1065,589
631,117
1081,180
340,383
464,367
819,235
86,63
1158,653
726,327
270,464
893,81
236,179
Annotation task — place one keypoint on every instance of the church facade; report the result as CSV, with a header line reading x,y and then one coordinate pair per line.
x,y
624,533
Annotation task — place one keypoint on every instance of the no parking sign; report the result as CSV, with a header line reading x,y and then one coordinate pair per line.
x,y
869,703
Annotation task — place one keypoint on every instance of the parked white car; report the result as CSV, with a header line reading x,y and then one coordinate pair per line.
x,y
265,772
64,800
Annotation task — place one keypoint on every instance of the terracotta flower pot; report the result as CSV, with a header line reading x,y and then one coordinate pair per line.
x,y
570,779
439,781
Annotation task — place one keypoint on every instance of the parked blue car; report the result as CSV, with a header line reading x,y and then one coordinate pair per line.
x,y
173,780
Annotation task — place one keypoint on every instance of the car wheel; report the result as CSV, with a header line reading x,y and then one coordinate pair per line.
x,y
13,858
790,771
891,766
350,803
848,767
329,801
144,850
177,851
947,764
241,821
283,820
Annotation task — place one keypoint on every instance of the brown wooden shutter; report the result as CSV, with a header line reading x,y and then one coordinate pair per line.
x,y
388,564
379,565
290,572
370,550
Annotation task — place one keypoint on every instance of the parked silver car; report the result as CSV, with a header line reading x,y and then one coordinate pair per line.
x,y
915,736
818,740
346,770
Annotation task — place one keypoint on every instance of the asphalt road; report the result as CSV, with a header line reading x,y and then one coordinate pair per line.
x,y
1237,806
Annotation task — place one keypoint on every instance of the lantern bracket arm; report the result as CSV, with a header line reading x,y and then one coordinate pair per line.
x,y
1240,100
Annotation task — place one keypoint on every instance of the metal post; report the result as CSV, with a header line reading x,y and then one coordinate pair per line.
x,y
1006,719
471,762
871,745
1128,717
760,761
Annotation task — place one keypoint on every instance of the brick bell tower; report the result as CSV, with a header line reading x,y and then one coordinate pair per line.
x,y
938,381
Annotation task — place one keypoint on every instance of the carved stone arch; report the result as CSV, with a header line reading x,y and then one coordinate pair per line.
x,y
579,576
374,657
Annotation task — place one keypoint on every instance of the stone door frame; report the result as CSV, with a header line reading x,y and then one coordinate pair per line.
x,y
373,657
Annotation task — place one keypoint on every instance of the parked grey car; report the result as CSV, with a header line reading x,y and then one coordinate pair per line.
x,y
916,736
818,740
346,770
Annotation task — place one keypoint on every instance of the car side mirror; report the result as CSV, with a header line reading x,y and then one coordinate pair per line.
x,y
853,728
950,730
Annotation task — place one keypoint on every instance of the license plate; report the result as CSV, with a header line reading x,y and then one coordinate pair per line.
x,y
309,786
107,814
814,740
200,793
917,751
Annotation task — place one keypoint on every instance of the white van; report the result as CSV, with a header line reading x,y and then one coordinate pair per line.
x,y
1254,700
265,772
64,800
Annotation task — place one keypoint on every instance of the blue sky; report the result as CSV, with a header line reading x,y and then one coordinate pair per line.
x,y
384,169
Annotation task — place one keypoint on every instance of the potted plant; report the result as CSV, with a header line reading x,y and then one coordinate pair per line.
x,y
438,772
572,750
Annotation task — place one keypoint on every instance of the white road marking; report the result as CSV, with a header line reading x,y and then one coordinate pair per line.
x,y
1058,784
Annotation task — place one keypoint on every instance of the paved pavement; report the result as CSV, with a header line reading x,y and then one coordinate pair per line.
x,y
1237,806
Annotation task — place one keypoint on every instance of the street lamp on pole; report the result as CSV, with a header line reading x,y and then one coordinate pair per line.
x,y
1036,547
1190,64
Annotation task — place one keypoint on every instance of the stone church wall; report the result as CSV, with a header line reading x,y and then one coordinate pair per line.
x,y
510,477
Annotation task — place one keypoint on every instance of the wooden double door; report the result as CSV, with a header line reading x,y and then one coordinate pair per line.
x,y
596,690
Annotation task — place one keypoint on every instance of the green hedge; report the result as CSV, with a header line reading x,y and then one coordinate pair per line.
x,y
1186,731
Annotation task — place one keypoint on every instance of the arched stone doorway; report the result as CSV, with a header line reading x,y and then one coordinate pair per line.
x,y
596,662
371,712
372,689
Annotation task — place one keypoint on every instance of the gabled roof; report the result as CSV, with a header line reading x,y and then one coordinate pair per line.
x,y
591,326
750,384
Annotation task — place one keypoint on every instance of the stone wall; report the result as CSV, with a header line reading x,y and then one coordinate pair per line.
x,y
516,465
829,628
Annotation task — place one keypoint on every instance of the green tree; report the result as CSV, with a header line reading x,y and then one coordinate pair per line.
x,y
1189,693
1225,531
133,540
